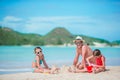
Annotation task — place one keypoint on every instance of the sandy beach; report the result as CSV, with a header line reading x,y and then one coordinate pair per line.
x,y
112,73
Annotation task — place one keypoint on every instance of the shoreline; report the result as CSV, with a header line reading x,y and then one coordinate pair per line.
x,y
112,73
62,46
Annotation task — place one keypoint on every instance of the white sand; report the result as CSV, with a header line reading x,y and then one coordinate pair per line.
x,y
112,73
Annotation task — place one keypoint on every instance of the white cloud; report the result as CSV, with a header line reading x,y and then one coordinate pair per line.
x,y
12,22
40,24
11,18
59,19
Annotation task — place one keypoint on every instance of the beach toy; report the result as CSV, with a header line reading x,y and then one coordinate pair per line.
x,y
89,69
46,73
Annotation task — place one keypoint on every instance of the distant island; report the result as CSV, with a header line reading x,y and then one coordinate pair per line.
x,y
58,36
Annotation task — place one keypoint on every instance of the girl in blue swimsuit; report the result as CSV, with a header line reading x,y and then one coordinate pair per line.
x,y
39,59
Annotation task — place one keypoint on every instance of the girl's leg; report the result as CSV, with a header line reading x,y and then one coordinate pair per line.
x,y
46,68
51,71
80,71
80,66
77,65
97,70
54,70
77,70
42,71
38,70
72,68
47,71
33,64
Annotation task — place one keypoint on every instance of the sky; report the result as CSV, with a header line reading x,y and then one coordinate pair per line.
x,y
95,18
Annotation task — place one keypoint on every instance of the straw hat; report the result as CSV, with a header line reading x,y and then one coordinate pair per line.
x,y
78,38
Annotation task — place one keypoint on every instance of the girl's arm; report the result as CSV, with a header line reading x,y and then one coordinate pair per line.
x,y
44,62
103,60
88,60
37,61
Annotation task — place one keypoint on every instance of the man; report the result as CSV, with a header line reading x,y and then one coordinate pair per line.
x,y
81,50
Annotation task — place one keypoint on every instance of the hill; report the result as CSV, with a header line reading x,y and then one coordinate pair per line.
x,y
93,41
57,36
11,37
60,36
117,42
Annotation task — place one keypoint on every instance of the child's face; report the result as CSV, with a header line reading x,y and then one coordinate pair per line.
x,y
38,51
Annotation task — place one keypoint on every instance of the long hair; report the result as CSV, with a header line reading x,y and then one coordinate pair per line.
x,y
96,52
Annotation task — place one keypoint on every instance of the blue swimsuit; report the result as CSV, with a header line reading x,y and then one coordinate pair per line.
x,y
33,69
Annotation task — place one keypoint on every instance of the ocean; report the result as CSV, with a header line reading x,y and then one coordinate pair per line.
x,y
14,59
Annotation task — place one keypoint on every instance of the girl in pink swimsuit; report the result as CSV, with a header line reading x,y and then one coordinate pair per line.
x,y
99,64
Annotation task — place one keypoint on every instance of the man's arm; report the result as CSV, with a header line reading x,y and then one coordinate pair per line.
x,y
84,51
76,58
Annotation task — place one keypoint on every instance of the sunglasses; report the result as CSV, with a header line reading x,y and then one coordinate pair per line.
x,y
39,52
78,42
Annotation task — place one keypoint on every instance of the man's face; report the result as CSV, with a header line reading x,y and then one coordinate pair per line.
x,y
79,43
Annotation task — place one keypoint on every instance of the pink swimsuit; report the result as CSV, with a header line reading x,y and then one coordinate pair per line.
x,y
99,61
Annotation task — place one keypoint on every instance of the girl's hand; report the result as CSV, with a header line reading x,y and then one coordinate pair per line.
x,y
96,66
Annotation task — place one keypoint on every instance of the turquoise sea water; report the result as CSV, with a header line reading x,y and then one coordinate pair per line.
x,y
15,59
